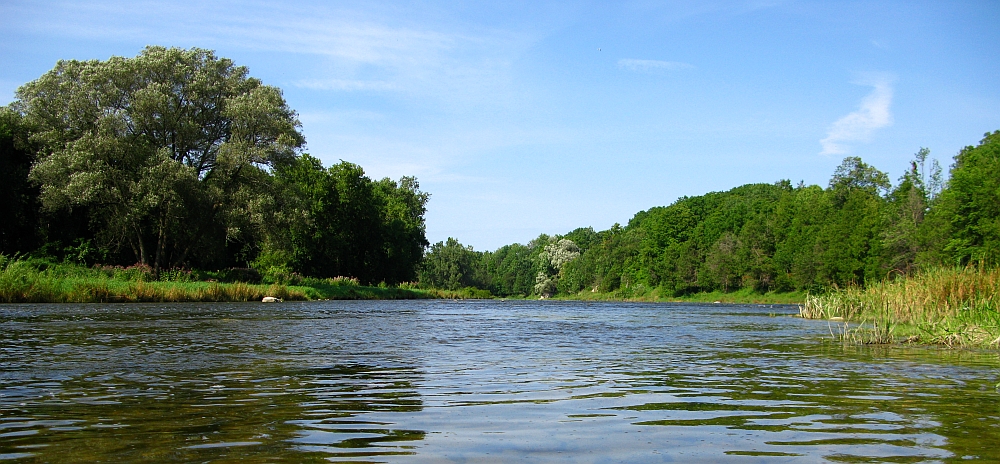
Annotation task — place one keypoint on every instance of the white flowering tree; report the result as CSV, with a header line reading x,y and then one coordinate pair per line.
x,y
553,257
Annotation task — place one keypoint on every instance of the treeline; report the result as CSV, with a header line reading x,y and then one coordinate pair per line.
x,y
178,159
763,237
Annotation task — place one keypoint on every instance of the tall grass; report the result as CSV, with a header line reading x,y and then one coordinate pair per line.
x,y
40,281
950,306
23,282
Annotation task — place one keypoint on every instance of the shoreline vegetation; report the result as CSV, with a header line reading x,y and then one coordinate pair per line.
x,y
742,296
176,161
41,281
954,307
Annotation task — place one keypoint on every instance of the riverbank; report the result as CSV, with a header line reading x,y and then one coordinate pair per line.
x,y
952,307
741,296
36,281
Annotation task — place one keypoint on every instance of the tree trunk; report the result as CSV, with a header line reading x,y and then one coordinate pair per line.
x,y
161,241
142,247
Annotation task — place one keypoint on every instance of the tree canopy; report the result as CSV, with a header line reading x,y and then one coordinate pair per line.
x,y
168,149
768,237
180,158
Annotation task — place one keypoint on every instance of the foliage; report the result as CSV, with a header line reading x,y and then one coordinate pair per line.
x,y
37,280
906,209
178,159
167,149
554,255
510,270
952,306
971,204
765,238
18,198
348,224
450,265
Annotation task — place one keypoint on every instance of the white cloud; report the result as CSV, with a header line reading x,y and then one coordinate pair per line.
x,y
343,84
651,65
354,46
859,125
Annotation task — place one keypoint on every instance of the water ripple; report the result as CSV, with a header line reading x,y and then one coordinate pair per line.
x,y
496,381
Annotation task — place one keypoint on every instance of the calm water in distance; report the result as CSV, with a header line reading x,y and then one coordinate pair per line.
x,y
477,381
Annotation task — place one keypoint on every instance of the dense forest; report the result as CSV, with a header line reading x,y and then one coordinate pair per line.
x,y
763,237
178,159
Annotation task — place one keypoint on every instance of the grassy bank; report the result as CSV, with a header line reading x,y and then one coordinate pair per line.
x,y
953,307
742,296
39,281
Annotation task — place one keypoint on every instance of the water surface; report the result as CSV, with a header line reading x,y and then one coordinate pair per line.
x,y
433,381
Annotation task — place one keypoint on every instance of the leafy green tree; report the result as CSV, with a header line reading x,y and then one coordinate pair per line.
x,y
511,270
907,206
344,224
452,266
970,204
849,244
800,216
854,175
403,228
617,252
583,237
19,229
169,150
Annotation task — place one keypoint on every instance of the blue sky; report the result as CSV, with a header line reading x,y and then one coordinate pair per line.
x,y
528,117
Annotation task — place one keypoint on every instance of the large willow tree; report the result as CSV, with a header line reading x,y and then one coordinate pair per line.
x,y
169,150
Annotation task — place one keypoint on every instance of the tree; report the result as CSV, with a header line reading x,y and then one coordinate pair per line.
x,y
971,204
908,204
854,175
452,266
347,225
849,243
403,228
18,199
556,254
169,150
510,270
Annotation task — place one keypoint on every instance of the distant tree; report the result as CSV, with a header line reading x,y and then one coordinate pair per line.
x,y
554,255
452,266
510,270
169,150
800,218
583,237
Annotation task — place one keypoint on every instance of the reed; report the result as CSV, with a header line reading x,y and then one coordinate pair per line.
x,y
949,306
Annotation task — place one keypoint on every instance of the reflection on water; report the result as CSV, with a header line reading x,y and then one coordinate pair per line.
x,y
494,381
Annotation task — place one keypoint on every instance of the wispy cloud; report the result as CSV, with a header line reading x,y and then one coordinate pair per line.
x,y
858,126
343,84
651,65
354,46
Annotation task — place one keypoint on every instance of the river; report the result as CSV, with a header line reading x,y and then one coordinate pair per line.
x,y
477,381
